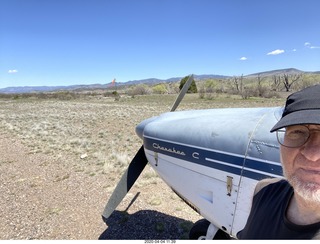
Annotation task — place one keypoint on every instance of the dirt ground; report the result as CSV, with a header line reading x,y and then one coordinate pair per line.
x,y
55,186
44,198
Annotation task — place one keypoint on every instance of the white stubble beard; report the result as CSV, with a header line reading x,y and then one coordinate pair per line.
x,y
309,191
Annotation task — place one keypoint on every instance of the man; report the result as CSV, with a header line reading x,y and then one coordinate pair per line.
x,y
290,208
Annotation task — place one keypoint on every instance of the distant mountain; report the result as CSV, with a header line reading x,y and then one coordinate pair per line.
x,y
30,89
144,81
174,79
33,89
277,72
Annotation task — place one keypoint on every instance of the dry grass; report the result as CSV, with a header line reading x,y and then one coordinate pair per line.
x,y
100,132
96,137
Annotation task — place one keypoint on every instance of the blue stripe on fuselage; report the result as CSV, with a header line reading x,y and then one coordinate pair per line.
x,y
232,163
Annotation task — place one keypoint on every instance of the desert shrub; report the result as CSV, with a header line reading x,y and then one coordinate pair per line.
x,y
139,90
202,92
160,89
206,93
211,85
64,95
271,94
116,95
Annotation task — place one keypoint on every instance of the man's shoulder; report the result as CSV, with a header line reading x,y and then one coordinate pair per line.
x,y
265,182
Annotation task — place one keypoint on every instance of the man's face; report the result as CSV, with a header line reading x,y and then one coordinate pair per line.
x,y
301,166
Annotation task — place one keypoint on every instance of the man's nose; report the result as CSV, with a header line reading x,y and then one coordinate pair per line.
x,y
311,150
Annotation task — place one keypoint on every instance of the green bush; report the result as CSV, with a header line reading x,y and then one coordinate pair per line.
x,y
160,89
192,88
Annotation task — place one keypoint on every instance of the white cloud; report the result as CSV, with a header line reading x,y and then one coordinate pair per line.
x,y
12,71
308,45
294,50
243,58
276,52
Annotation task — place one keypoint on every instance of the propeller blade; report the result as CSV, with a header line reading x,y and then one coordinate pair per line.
x,y
126,182
136,166
182,93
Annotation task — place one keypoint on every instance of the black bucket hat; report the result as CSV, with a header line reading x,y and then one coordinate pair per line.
x,y
302,107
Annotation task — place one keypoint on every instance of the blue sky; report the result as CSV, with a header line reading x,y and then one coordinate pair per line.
x,y
65,42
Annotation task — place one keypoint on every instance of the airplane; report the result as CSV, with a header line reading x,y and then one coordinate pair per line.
x,y
212,159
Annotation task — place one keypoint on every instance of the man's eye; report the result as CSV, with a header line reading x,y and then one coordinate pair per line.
x,y
296,133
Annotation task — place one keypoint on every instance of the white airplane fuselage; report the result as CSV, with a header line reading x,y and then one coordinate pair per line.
x,y
214,158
